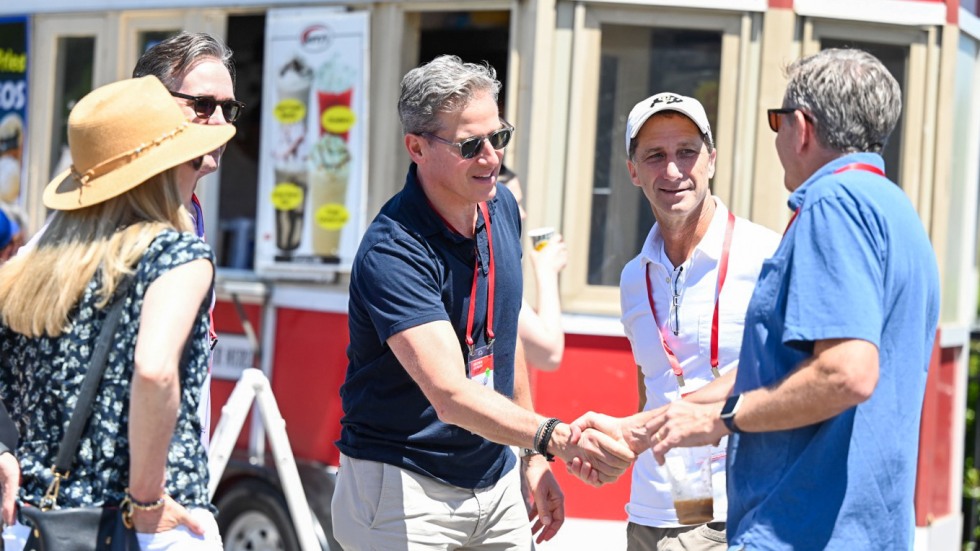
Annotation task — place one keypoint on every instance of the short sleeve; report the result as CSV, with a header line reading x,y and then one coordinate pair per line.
x,y
400,285
837,281
169,250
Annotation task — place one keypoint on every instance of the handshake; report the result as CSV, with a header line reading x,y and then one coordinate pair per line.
x,y
600,448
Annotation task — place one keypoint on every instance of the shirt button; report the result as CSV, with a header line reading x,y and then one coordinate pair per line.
x,y
667,279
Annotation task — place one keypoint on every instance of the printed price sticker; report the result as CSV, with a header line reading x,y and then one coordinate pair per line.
x,y
331,216
287,196
338,119
289,111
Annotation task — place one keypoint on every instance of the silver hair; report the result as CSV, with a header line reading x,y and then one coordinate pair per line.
x,y
443,85
171,59
853,99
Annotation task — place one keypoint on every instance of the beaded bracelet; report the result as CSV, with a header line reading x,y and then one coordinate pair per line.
x,y
543,436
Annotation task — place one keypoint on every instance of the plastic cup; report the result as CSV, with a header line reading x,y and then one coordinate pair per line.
x,y
540,237
689,473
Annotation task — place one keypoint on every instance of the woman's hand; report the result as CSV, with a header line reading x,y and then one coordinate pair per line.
x,y
10,482
168,517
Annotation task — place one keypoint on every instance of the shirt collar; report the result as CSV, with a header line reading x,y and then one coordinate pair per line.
x,y
796,198
424,216
708,248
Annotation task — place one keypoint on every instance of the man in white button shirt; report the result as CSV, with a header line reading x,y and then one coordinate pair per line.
x,y
683,265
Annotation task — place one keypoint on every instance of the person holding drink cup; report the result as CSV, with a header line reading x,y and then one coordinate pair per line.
x,y
540,327
683,300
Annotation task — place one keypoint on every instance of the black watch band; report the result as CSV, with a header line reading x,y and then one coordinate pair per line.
x,y
729,410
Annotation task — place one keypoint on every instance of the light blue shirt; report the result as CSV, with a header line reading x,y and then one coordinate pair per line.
x,y
855,264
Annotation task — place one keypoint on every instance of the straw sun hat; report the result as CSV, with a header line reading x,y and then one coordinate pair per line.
x,y
120,135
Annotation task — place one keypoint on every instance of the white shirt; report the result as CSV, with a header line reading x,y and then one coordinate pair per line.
x,y
695,281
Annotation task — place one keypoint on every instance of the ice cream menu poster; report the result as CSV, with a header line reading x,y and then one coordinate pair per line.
x,y
314,133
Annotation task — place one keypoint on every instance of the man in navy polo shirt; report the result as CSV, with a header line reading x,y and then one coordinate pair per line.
x,y
437,387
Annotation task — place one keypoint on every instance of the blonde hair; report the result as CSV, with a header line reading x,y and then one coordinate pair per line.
x,y
39,288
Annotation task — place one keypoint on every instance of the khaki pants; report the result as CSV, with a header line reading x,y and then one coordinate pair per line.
x,y
381,507
702,537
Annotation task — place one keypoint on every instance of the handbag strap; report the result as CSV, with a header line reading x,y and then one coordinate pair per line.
x,y
86,396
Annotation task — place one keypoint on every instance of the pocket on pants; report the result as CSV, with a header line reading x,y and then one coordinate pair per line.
x,y
358,493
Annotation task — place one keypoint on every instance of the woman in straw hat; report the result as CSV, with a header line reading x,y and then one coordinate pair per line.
x,y
119,215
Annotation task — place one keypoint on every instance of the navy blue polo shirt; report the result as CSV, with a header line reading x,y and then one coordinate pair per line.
x,y
411,269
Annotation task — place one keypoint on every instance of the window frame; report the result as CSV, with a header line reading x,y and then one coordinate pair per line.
x,y
917,172
735,128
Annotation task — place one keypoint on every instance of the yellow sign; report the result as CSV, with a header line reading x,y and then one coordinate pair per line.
x,y
287,196
332,216
289,111
338,119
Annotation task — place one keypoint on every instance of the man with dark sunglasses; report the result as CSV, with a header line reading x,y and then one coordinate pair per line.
x,y
436,391
198,70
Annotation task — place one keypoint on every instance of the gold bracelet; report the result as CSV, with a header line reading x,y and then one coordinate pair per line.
x,y
137,505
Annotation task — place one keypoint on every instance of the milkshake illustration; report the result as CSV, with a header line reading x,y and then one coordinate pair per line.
x,y
289,200
334,90
329,174
293,87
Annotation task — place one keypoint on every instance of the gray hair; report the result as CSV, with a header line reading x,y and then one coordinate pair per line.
x,y
170,59
443,85
850,94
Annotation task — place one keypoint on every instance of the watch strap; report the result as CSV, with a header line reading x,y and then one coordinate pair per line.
x,y
729,410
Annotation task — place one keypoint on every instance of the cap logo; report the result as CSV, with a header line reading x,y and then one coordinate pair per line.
x,y
667,99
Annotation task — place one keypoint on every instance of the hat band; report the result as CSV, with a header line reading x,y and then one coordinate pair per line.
x,y
112,163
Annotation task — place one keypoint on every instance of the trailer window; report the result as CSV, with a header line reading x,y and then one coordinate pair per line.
x,y
638,62
75,65
235,244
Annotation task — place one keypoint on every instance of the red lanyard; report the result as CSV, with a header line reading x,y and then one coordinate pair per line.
x,y
852,166
490,285
675,365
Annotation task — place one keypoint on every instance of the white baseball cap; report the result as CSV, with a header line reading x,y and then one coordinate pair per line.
x,y
666,101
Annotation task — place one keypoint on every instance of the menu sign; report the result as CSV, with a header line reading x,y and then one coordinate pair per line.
x,y
311,206
13,106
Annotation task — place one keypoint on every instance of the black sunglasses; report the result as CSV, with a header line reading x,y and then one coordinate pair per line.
x,y
470,147
775,119
204,106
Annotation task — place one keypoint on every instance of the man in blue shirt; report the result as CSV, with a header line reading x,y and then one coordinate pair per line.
x,y
436,388
826,404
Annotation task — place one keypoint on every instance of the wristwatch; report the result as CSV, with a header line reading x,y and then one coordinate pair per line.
x,y
729,410
526,453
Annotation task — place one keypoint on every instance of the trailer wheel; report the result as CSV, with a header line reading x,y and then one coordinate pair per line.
x,y
253,516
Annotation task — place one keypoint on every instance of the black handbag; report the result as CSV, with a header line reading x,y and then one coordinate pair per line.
x,y
82,528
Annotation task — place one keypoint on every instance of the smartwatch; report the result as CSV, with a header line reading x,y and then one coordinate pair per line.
x,y
729,410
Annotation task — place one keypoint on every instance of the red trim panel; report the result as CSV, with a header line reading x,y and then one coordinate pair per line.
x,y
310,364
597,373
933,484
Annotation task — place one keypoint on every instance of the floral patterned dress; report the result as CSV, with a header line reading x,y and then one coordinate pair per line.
x,y
40,379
